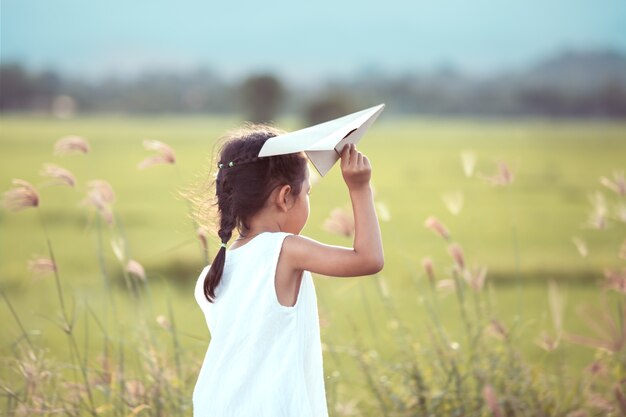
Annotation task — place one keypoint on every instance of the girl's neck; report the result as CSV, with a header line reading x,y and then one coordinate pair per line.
x,y
259,227
252,233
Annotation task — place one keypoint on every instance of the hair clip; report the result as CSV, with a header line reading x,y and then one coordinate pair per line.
x,y
232,163
223,245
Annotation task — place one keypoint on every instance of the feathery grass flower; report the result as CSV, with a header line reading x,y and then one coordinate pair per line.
x,y
165,154
446,286
21,196
136,269
427,264
135,392
453,201
119,248
598,216
504,176
615,280
70,145
617,184
581,246
41,265
340,222
163,322
620,212
348,408
456,252
324,319
436,226
103,189
610,331
202,234
547,342
106,374
599,401
596,368
35,368
556,302
475,277
496,329
383,211
620,399
58,174
468,160
100,195
491,399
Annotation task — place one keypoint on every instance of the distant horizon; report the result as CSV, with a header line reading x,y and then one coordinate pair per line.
x,y
308,43
362,71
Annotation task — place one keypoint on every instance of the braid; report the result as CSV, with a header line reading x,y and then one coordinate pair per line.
x,y
227,223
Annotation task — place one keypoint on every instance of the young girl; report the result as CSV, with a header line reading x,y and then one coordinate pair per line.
x,y
265,358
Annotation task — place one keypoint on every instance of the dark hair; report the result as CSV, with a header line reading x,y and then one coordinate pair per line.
x,y
243,187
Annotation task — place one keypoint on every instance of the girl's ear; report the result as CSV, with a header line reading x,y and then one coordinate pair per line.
x,y
283,198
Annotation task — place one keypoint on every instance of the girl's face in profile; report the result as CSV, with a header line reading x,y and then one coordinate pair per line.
x,y
300,209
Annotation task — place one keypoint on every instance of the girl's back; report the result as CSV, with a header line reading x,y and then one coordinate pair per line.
x,y
264,358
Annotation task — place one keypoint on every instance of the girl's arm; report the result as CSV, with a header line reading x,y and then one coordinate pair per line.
x,y
366,257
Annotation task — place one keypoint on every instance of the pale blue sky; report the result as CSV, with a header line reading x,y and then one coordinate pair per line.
x,y
298,39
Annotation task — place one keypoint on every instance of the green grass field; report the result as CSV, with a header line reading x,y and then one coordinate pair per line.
x,y
522,232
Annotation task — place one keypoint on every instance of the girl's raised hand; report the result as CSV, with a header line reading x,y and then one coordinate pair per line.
x,y
355,167
366,256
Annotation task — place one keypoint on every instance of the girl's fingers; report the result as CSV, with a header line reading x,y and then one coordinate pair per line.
x,y
352,158
345,155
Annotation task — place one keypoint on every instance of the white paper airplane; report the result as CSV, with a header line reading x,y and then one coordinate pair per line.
x,y
323,143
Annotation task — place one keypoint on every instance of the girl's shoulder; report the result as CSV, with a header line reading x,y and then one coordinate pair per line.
x,y
298,242
295,246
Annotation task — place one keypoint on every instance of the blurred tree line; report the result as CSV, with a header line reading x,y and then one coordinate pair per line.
x,y
571,84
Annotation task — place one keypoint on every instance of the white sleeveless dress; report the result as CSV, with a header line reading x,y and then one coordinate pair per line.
x,y
264,359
